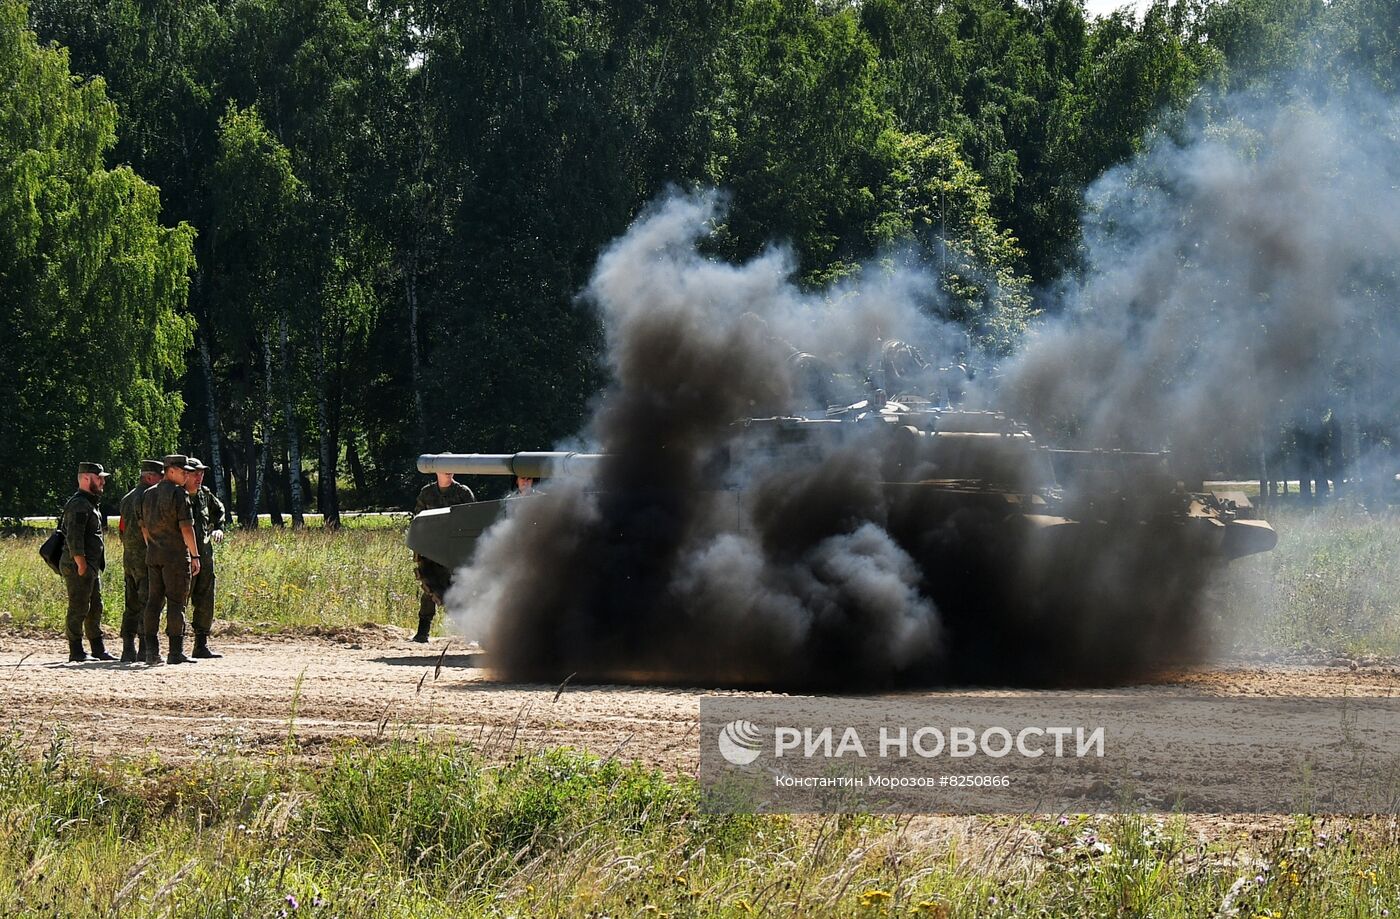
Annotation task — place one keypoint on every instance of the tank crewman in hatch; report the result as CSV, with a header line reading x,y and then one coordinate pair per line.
x,y
209,514
84,557
134,558
445,492
172,558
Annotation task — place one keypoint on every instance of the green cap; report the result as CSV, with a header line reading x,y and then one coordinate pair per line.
x,y
175,461
154,466
94,468
194,465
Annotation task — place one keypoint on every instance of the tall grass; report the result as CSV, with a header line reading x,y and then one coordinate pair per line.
x,y
269,580
419,830
1332,585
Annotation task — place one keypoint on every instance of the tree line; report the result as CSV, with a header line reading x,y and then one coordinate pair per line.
x,y
309,239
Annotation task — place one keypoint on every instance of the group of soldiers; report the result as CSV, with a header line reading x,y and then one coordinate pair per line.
x,y
169,525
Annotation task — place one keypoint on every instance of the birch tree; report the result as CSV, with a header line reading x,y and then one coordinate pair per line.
x,y
93,288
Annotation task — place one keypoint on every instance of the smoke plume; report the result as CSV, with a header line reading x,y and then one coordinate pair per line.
x,y
1237,280
1230,278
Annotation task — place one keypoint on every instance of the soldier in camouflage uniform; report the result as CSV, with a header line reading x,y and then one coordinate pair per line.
x,y
172,558
84,557
434,578
134,558
209,515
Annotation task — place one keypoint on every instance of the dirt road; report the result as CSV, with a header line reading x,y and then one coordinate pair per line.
x,y
374,685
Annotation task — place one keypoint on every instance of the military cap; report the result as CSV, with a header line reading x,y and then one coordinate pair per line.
x,y
155,466
194,465
175,461
94,468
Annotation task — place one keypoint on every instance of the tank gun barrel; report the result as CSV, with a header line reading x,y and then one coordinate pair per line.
x,y
534,465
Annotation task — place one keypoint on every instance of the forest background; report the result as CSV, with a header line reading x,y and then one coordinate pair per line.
x,y
310,239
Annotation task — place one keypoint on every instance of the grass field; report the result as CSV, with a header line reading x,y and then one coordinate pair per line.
x,y
269,580
414,830
1331,586
418,831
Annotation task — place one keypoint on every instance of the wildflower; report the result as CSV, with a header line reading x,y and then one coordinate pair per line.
x,y
1064,821
292,903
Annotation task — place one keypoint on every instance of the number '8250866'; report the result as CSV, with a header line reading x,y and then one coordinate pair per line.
x,y
978,781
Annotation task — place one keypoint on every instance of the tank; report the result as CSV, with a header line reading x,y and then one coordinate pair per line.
x,y
937,462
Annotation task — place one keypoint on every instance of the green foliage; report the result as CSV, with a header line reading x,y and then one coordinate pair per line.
x,y
934,197
91,285
430,830
801,138
255,199
415,192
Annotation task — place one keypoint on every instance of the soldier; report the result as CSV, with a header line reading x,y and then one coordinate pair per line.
x,y
172,558
84,557
445,492
209,514
134,559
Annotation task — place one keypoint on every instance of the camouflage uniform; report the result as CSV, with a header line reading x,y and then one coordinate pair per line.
x,y
209,514
430,572
133,561
83,526
164,507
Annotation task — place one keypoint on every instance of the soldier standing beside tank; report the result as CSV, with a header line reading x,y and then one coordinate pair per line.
x,y
434,578
208,514
172,558
134,558
84,557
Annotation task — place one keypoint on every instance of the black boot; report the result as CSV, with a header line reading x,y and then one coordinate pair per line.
x,y
150,649
201,647
177,650
129,649
425,625
76,655
99,651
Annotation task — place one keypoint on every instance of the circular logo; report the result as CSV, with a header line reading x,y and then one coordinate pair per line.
x,y
739,742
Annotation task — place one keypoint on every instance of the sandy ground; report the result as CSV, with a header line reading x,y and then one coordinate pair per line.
x,y
374,685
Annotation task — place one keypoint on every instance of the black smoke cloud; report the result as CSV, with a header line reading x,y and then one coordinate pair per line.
x,y
1231,277
648,569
